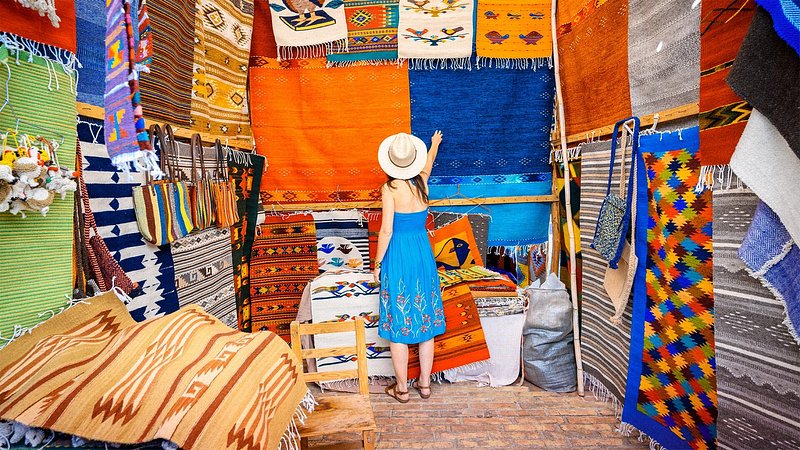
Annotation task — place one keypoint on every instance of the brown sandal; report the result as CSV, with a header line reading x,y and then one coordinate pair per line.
x,y
395,393
419,389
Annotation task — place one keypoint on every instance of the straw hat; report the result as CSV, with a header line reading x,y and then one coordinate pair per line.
x,y
402,156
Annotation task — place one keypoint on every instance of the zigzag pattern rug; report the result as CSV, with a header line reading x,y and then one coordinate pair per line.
x,y
671,393
111,201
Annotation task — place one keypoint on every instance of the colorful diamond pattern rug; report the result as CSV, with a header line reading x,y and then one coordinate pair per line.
x,y
671,392
371,32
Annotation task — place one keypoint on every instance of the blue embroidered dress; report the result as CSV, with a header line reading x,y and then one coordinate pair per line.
x,y
411,308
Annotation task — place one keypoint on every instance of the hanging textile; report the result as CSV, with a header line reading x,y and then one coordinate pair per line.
x,y
574,216
167,88
308,29
786,20
478,222
663,55
342,240
30,24
223,32
46,240
304,112
371,32
766,164
758,361
436,34
722,113
596,94
110,199
283,261
764,56
671,390
95,373
245,170
604,346
263,42
91,29
514,33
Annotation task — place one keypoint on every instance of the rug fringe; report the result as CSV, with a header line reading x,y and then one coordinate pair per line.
x,y
628,430
290,438
44,8
311,51
720,177
367,62
513,63
139,161
68,60
20,330
438,63
573,154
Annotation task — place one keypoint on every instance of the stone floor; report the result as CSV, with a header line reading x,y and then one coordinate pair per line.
x,y
464,415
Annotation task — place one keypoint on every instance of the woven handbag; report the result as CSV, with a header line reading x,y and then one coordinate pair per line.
x,y
614,216
162,207
225,209
200,191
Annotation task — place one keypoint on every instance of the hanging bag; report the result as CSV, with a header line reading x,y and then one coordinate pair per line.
x,y
614,216
200,189
182,224
225,209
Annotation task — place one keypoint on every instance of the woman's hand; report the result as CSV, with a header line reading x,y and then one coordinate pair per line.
x,y
377,275
436,139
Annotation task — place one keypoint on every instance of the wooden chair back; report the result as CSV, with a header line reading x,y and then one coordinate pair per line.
x,y
359,350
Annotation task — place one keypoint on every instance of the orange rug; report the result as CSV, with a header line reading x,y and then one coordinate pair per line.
x,y
593,54
463,342
92,371
320,128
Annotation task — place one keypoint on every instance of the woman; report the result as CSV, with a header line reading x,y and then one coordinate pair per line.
x,y
411,309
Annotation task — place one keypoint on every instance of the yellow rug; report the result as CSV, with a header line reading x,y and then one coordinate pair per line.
x,y
94,372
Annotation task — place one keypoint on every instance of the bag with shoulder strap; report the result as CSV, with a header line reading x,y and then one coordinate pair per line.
x,y
225,209
200,191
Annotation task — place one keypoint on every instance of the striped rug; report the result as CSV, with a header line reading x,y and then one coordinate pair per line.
x,y
110,199
604,346
758,361
204,273
30,290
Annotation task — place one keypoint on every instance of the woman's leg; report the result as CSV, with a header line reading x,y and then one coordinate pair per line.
x,y
400,363
425,365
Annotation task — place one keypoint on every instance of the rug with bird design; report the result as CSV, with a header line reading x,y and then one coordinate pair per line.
x,y
342,240
308,28
513,33
283,261
433,33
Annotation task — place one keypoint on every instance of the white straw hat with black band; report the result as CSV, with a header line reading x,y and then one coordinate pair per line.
x,y
402,156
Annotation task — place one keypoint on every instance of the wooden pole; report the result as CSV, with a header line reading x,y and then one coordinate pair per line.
x,y
570,231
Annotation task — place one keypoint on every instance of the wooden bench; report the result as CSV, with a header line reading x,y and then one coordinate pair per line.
x,y
337,413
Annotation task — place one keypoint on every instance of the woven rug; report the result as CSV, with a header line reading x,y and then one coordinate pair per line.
x,y
766,164
722,113
514,34
436,33
450,278
263,41
338,296
223,38
463,342
371,32
313,166
167,89
342,240
30,24
575,203
91,28
110,199
758,361
605,348
90,372
283,261
245,170
786,20
477,138
478,222
663,55
23,239
772,257
764,55
671,390
308,29
204,272
596,94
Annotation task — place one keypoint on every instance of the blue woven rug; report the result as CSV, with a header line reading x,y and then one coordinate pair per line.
x,y
91,26
112,204
494,121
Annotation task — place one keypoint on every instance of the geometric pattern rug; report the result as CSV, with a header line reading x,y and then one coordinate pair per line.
x,y
758,361
671,394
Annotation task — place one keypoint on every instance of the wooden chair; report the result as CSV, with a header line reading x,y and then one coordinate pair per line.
x,y
339,413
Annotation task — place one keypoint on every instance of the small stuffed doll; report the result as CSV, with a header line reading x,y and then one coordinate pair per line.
x,y
60,181
28,170
6,187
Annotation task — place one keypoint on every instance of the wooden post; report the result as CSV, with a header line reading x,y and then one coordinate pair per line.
x,y
570,231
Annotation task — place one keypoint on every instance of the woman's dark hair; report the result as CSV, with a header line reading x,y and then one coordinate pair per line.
x,y
417,182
